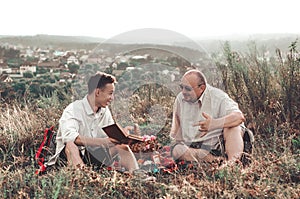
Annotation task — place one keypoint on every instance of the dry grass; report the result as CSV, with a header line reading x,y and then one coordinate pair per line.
x,y
273,173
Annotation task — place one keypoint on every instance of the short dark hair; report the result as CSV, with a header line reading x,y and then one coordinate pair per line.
x,y
99,80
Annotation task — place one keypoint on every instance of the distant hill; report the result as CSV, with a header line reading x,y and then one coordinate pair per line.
x,y
263,42
55,41
239,43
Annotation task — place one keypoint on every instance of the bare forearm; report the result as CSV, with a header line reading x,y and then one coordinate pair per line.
x,y
175,133
231,120
87,141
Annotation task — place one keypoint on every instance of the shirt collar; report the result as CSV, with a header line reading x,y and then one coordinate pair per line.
x,y
203,94
87,106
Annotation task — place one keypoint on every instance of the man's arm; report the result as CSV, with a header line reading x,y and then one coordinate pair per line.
x,y
95,142
175,127
231,120
175,133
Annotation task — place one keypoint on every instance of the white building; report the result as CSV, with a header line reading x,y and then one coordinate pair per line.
x,y
6,70
24,69
6,78
72,59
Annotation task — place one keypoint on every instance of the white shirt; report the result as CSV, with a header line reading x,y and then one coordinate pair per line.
x,y
214,102
78,118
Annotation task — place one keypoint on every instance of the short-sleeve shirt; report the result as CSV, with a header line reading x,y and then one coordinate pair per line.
x,y
78,118
214,102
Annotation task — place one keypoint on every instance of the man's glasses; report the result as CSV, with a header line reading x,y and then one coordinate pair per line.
x,y
188,88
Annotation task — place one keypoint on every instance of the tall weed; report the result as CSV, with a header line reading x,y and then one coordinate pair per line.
x,y
267,91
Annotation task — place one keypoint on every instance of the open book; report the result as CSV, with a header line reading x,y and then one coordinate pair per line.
x,y
116,132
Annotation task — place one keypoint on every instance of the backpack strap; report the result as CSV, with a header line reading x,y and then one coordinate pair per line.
x,y
42,150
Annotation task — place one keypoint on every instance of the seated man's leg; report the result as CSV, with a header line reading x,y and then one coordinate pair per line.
x,y
73,155
234,144
97,157
183,152
127,157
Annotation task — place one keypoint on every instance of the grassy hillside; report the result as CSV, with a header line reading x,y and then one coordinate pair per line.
x,y
268,94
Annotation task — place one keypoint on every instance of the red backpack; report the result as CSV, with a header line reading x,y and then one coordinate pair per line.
x,y
44,149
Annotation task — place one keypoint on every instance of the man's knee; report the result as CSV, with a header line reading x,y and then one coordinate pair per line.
x,y
73,154
233,132
71,146
71,150
124,147
179,150
233,142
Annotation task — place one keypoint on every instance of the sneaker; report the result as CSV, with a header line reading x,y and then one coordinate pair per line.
x,y
143,175
248,146
248,141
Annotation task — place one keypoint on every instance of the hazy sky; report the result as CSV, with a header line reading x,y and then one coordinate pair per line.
x,y
192,18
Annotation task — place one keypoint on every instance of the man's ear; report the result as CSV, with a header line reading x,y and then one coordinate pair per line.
x,y
203,86
97,91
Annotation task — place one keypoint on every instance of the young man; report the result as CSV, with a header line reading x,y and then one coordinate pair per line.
x,y
201,115
80,137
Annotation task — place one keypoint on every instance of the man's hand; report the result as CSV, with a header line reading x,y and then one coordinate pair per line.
x,y
110,142
205,125
133,129
128,129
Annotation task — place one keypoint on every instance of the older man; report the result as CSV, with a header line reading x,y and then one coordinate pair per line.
x,y
202,114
